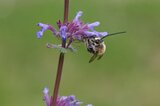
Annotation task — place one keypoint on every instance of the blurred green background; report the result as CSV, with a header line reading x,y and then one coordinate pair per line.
x,y
128,74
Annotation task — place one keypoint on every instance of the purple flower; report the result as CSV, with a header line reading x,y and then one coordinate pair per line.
x,y
62,101
63,32
74,30
44,27
46,97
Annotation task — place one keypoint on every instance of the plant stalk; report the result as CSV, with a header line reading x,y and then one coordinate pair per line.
x,y
61,59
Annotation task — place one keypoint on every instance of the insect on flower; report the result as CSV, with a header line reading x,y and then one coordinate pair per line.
x,y
76,30
96,46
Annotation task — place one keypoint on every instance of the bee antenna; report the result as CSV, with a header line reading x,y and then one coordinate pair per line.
x,y
113,34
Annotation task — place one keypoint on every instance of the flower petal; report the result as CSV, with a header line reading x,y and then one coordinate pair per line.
x,y
78,15
44,27
92,25
39,34
63,32
102,34
46,96
68,101
95,33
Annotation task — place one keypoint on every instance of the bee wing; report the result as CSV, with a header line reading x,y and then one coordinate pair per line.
x,y
99,57
93,57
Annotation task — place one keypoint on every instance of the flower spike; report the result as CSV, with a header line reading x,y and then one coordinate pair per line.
x,y
74,30
62,101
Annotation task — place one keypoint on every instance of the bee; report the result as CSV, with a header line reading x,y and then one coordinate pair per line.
x,y
96,46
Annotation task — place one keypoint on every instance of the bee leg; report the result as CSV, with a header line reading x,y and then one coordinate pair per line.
x,y
99,57
93,58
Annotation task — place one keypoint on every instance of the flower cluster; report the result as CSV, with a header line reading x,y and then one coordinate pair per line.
x,y
74,30
68,32
61,101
